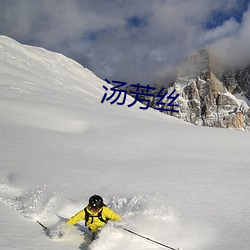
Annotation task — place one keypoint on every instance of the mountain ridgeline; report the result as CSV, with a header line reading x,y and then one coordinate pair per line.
x,y
208,97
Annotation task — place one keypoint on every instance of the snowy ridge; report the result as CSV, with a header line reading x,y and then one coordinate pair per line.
x,y
50,68
179,184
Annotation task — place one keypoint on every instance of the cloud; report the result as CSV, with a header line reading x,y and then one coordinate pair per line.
x,y
228,28
233,49
134,41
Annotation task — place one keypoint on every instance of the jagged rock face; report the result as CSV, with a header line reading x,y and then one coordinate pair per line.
x,y
237,81
207,99
207,103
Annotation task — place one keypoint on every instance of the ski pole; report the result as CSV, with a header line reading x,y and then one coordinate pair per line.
x,y
45,228
146,238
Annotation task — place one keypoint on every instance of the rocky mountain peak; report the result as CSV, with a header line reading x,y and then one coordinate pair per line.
x,y
207,98
194,65
237,81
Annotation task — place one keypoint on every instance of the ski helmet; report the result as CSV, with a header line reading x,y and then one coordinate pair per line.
x,y
95,202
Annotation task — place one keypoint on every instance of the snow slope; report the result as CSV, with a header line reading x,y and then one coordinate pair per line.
x,y
176,183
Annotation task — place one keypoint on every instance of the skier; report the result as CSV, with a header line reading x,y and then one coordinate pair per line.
x,y
95,214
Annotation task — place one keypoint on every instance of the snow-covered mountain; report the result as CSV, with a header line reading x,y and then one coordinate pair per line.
x,y
208,97
182,185
237,81
206,100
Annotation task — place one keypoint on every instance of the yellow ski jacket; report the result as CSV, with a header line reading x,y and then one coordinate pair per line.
x,y
94,223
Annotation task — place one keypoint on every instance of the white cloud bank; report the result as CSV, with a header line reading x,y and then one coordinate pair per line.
x,y
134,41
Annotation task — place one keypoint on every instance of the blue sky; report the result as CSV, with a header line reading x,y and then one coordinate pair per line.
x,y
132,40
218,17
